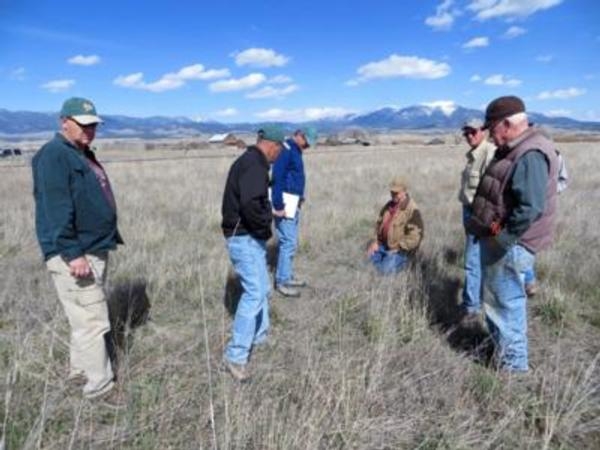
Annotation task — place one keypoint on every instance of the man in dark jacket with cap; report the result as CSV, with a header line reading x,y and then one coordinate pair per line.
x,y
246,224
513,216
76,226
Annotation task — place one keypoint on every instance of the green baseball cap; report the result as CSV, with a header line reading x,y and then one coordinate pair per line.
x,y
272,133
310,134
81,110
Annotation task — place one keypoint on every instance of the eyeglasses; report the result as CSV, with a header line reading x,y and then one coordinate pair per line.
x,y
470,132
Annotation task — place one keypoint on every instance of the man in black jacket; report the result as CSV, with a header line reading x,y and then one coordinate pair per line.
x,y
246,224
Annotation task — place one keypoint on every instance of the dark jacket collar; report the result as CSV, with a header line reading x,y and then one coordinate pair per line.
x,y
260,155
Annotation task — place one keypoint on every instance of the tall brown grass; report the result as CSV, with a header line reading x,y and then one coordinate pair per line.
x,y
357,362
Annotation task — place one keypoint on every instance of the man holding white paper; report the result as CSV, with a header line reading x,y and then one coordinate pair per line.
x,y
288,183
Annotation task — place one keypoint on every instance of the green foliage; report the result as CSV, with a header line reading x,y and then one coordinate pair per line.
x,y
437,441
483,384
554,312
304,247
8,250
372,328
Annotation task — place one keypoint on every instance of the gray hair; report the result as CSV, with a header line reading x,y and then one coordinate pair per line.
x,y
518,118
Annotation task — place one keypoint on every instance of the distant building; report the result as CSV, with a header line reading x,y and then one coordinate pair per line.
x,y
225,138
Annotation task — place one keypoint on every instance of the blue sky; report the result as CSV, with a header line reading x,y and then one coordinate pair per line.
x,y
277,60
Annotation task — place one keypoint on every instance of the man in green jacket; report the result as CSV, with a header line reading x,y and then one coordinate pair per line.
x,y
76,226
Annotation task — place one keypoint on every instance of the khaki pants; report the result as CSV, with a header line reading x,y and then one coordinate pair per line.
x,y
85,305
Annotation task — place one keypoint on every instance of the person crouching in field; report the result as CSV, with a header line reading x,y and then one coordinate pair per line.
x,y
76,226
398,232
246,224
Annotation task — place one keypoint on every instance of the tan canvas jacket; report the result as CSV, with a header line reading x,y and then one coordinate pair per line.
x,y
406,229
477,161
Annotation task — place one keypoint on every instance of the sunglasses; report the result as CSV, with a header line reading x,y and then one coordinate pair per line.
x,y
470,132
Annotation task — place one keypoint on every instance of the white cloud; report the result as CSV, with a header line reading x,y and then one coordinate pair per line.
x,y
81,60
477,42
401,66
300,115
475,78
58,85
280,79
238,84
227,112
592,115
514,32
260,57
17,74
446,106
275,114
444,16
197,72
544,58
501,80
561,94
171,80
326,112
213,74
131,80
509,9
559,113
273,92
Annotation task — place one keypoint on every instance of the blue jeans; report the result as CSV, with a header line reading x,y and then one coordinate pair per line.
x,y
251,323
506,304
472,289
389,262
287,229
530,276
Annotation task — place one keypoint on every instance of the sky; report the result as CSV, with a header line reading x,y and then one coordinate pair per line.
x,y
234,61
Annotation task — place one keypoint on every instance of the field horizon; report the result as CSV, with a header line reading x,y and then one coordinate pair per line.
x,y
357,362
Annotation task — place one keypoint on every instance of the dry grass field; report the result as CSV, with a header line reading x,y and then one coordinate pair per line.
x,y
357,363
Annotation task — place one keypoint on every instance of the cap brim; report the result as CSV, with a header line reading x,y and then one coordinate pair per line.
x,y
87,119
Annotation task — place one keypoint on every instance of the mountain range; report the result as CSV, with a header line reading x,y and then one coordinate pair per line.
x,y
19,124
